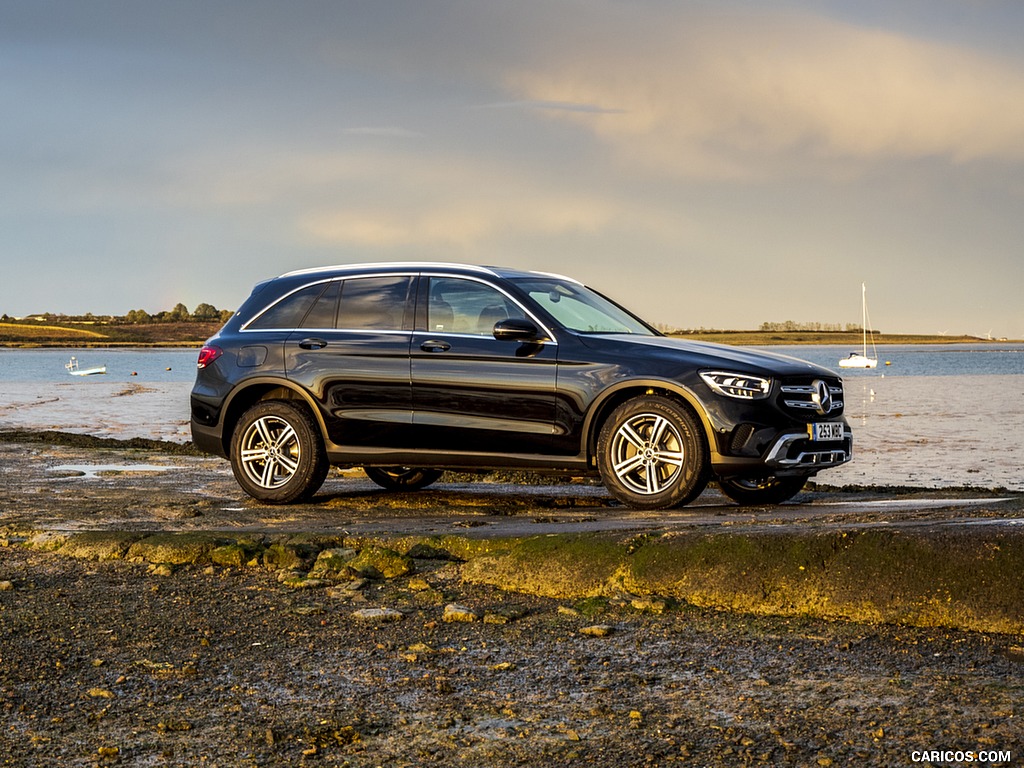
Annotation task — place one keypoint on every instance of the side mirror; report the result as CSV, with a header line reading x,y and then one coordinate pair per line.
x,y
516,329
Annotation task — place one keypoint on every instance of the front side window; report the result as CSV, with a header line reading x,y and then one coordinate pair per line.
x,y
373,303
467,307
580,309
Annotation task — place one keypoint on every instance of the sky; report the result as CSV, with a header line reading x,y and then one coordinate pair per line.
x,y
714,164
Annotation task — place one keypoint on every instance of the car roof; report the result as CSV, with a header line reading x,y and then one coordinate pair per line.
x,y
426,266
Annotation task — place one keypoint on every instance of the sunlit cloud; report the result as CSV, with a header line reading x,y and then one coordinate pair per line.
x,y
764,94
442,203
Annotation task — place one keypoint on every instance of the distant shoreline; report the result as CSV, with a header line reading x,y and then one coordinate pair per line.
x,y
822,338
193,334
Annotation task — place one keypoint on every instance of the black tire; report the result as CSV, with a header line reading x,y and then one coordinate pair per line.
x,y
402,478
758,491
277,453
652,454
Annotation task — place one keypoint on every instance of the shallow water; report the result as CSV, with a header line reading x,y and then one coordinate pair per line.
x,y
939,430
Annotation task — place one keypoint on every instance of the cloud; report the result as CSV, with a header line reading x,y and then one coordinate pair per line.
x,y
751,94
563,106
387,202
388,132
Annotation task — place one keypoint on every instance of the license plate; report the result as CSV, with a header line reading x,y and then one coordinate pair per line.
x,y
829,430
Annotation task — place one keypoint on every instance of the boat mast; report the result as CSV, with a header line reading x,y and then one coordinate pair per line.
x,y
864,319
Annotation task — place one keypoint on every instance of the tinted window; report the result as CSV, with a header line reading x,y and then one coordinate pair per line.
x,y
288,312
323,311
466,306
373,303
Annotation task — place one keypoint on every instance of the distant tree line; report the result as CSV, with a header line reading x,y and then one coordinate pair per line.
x,y
203,313
789,325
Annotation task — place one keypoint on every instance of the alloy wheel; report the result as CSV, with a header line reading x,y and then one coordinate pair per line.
x,y
270,452
647,453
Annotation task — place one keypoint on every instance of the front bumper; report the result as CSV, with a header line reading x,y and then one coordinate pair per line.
x,y
783,452
795,453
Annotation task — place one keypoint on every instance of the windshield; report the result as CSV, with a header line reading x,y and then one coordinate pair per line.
x,y
580,309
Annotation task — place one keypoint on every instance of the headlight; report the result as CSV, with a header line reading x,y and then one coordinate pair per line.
x,y
739,385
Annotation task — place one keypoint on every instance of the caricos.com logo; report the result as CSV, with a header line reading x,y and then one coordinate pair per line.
x,y
963,756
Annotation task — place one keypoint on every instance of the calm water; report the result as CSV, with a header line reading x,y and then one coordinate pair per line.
x,y
920,359
47,365
163,365
937,416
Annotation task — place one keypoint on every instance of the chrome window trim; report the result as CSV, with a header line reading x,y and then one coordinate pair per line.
x,y
473,278
552,339
334,279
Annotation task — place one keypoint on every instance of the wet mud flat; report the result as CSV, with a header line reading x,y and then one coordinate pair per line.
x,y
241,656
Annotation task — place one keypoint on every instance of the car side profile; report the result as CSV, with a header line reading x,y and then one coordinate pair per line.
x,y
408,370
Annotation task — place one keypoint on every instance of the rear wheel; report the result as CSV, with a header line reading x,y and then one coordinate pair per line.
x,y
754,491
652,455
277,454
402,478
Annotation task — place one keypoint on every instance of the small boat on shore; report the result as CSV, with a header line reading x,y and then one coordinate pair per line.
x,y
74,369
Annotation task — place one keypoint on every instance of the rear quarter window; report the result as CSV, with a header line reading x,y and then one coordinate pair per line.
x,y
289,312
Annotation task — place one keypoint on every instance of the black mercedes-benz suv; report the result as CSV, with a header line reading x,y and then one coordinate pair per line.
x,y
410,369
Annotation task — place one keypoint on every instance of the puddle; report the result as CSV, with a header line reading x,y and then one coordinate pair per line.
x,y
914,503
94,471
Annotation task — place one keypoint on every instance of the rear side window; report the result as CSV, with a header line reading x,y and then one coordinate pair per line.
x,y
289,311
373,303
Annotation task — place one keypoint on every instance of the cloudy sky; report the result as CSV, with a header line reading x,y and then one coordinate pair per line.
x,y
711,164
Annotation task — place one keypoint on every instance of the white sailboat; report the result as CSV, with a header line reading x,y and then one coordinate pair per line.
x,y
861,359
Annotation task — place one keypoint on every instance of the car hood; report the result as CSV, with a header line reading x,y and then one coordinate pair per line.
x,y
709,355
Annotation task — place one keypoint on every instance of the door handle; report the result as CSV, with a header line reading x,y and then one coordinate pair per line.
x,y
312,343
435,346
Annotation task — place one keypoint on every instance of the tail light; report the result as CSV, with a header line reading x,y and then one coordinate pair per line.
x,y
208,354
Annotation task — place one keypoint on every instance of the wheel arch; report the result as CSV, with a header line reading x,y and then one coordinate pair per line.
x,y
255,391
624,391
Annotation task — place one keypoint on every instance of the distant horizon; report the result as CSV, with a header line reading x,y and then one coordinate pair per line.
x,y
663,327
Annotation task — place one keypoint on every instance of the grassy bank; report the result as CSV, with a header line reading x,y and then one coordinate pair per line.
x,y
177,334
13,334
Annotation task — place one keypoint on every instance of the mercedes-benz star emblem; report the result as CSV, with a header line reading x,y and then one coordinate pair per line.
x,y
821,397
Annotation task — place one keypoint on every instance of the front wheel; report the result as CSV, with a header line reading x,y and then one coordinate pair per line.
x,y
402,478
277,454
651,454
756,491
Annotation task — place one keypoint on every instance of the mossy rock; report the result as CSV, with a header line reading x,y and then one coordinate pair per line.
x,y
236,554
176,548
99,545
288,556
383,561
333,563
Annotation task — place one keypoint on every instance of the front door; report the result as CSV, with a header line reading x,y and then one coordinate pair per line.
x,y
471,392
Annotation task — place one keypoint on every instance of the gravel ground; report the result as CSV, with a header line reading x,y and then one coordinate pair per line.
x,y
105,663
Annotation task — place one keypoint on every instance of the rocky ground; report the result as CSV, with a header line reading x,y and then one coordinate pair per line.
x,y
131,663
113,663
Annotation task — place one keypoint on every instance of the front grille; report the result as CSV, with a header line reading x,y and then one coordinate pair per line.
x,y
812,398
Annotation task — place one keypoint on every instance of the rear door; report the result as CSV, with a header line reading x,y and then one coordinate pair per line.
x,y
470,391
351,352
